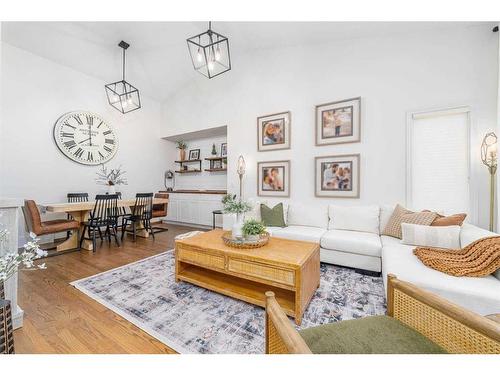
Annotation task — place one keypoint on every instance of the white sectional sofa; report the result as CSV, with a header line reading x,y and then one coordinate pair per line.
x,y
350,237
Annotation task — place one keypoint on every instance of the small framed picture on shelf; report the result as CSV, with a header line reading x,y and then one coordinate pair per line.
x,y
273,178
217,164
194,154
223,150
337,176
338,122
273,132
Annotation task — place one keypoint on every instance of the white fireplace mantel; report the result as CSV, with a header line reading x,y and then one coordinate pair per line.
x,y
9,218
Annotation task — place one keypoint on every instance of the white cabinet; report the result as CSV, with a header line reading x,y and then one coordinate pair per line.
x,y
195,209
173,208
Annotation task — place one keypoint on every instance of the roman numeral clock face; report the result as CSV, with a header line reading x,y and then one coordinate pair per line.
x,y
85,137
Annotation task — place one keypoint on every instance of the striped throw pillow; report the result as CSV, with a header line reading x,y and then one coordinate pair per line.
x,y
402,215
429,236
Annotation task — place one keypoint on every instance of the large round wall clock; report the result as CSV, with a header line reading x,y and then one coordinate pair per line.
x,y
85,137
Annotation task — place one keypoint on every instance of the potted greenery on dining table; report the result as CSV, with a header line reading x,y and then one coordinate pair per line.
x,y
111,178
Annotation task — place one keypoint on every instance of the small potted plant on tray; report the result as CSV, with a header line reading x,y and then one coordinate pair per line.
x,y
238,207
252,229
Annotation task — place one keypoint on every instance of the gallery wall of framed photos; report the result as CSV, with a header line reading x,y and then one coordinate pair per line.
x,y
336,176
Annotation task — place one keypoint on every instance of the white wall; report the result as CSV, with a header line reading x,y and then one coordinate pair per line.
x,y
35,93
204,180
393,75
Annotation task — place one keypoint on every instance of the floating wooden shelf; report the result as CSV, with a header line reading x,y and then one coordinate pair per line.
x,y
216,170
213,161
182,162
217,158
188,161
189,171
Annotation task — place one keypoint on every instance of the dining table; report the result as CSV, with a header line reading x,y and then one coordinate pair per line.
x,y
80,211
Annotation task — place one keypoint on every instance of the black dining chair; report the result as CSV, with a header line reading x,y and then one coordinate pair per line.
x,y
141,212
122,211
75,198
104,215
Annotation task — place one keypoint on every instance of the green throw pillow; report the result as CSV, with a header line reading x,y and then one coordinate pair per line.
x,y
272,217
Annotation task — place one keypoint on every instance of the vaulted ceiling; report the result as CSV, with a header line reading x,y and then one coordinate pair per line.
x,y
158,62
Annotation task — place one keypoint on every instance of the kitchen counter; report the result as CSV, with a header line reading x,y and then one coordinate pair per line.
x,y
220,192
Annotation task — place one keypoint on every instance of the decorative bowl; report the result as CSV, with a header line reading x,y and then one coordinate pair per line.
x,y
243,243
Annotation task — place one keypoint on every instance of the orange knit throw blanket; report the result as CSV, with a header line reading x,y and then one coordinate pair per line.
x,y
480,258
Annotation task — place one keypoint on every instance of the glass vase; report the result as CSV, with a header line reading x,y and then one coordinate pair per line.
x,y
237,231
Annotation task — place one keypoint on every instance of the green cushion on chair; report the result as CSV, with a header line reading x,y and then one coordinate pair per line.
x,y
371,335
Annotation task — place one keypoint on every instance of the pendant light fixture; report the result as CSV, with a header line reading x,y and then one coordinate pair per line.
x,y
121,94
209,53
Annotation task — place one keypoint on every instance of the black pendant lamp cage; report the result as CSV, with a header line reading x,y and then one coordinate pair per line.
x,y
209,53
122,95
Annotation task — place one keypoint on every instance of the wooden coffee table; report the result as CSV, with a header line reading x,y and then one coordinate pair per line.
x,y
288,268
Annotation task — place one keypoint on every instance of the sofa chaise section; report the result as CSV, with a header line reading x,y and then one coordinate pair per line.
x,y
352,249
478,294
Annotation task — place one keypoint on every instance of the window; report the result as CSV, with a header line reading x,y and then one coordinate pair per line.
x,y
438,161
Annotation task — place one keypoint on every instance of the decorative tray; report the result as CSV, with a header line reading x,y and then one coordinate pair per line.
x,y
242,243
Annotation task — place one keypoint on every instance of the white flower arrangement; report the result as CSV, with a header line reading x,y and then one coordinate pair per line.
x,y
10,263
111,178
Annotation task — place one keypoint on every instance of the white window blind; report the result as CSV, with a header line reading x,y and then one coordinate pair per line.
x,y
438,161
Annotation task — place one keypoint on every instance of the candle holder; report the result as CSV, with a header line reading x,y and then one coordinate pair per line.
x,y
240,169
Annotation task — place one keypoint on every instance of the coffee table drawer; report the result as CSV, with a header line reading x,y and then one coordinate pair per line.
x,y
276,274
201,258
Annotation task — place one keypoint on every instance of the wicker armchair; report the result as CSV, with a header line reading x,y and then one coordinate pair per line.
x,y
453,328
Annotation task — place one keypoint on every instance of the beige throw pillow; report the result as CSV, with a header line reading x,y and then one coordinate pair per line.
x,y
402,215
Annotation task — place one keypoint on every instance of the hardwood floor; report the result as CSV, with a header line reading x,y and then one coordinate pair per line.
x,y
60,319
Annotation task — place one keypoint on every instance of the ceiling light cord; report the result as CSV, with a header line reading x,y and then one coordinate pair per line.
x,y
123,68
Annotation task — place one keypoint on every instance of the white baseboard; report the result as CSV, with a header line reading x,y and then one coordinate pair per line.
x,y
201,226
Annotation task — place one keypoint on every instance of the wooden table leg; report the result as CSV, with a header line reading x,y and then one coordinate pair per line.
x,y
81,217
141,230
70,243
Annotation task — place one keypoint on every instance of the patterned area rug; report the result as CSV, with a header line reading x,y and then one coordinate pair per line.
x,y
190,319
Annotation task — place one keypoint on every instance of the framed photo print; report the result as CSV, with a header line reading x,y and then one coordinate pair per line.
x,y
338,122
223,150
337,176
194,154
273,132
273,178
